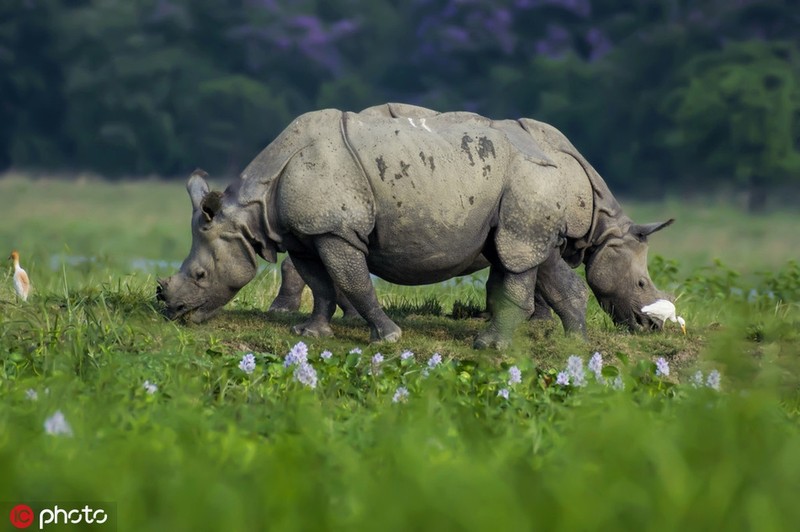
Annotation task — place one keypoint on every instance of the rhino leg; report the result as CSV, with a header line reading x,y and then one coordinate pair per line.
x,y
291,290
321,284
564,291
348,268
288,298
510,297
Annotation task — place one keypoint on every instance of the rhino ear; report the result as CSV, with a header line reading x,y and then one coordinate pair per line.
x,y
197,187
644,230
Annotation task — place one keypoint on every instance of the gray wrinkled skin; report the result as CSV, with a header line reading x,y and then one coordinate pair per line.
x,y
414,197
558,288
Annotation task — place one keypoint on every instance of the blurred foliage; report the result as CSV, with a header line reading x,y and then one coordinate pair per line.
x,y
657,94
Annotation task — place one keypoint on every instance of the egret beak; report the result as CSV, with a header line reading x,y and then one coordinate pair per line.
x,y
683,328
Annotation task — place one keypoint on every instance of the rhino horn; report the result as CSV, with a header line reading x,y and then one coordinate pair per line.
x,y
197,187
642,231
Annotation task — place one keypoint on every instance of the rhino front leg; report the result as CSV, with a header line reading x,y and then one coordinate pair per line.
x,y
565,292
510,297
288,298
314,274
348,268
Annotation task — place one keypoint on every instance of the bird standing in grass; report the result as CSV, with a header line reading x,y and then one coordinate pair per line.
x,y
664,310
22,284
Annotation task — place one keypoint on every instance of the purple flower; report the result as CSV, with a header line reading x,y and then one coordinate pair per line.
x,y
248,363
297,355
152,388
596,366
714,380
503,393
31,394
662,367
618,383
57,425
326,355
400,395
514,376
697,379
575,371
563,378
377,360
305,374
356,351
435,360
405,355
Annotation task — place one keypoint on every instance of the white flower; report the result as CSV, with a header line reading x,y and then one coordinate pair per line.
x,y
405,355
297,355
503,393
355,350
400,395
575,370
514,376
713,380
377,359
248,363
618,383
56,425
151,387
562,378
31,394
305,374
326,355
697,379
596,367
662,367
435,360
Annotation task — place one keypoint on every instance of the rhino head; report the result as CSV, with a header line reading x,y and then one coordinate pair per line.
x,y
223,257
617,273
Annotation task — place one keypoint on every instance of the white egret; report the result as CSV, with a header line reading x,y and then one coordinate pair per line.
x,y
22,284
664,310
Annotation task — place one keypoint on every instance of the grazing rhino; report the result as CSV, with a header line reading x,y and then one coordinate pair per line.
x,y
561,290
414,201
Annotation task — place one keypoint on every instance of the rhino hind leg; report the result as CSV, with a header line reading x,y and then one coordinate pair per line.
x,y
510,298
348,268
314,274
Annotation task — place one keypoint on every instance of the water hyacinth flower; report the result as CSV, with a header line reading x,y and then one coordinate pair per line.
x,y
377,360
514,376
326,355
503,393
400,395
596,366
57,425
575,370
697,379
435,360
714,379
618,383
562,379
306,374
662,367
152,388
31,395
355,351
248,363
297,355
405,355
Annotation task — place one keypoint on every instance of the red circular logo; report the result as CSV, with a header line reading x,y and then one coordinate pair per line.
x,y
22,516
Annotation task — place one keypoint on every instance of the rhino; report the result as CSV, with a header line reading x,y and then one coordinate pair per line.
x,y
560,290
414,201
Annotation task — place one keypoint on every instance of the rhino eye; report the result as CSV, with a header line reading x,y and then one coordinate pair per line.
x,y
641,283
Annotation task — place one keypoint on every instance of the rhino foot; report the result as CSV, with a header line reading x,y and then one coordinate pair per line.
x,y
313,330
391,334
283,305
491,340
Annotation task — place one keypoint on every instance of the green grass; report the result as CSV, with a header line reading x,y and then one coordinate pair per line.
x,y
215,448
